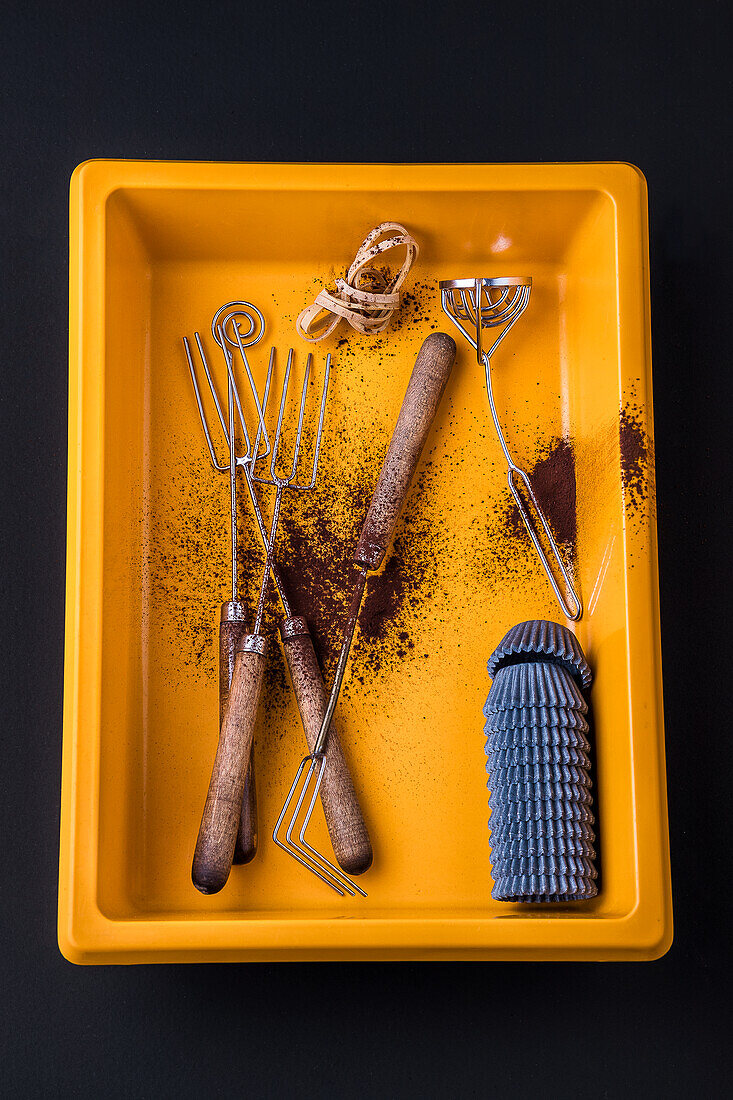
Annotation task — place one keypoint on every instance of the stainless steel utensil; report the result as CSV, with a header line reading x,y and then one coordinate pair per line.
x,y
474,305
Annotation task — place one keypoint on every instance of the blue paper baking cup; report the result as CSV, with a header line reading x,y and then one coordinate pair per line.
x,y
503,827
533,753
545,794
545,864
539,888
541,735
542,638
536,717
535,684
535,811
553,739
511,847
502,773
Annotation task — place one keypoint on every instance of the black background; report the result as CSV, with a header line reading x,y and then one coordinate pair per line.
x,y
648,83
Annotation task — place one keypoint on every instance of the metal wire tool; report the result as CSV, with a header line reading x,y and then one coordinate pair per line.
x,y
474,305
235,327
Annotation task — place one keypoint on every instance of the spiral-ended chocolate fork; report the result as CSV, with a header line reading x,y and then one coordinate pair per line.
x,y
235,327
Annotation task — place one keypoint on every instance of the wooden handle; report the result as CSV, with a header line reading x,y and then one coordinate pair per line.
x,y
212,860
346,826
231,630
419,406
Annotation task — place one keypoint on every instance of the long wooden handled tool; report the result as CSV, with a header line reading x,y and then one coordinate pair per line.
x,y
344,819
419,406
232,629
233,613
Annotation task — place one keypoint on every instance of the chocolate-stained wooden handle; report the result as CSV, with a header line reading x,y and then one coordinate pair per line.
x,y
419,406
231,630
346,826
212,859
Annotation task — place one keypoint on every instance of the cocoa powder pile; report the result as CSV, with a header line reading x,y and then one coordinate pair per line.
x,y
553,480
317,545
552,476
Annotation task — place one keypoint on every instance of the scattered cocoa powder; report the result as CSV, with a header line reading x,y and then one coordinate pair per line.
x,y
636,455
319,531
317,546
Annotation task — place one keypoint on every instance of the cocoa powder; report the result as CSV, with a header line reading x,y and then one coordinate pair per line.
x,y
636,455
553,481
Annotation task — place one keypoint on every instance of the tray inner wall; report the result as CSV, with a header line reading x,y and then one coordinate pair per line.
x,y
410,717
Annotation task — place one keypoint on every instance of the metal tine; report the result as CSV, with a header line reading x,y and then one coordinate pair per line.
x,y
262,407
261,426
319,431
212,388
301,414
221,467
307,856
289,480
290,848
492,306
514,308
202,415
319,761
333,873
229,360
279,481
467,314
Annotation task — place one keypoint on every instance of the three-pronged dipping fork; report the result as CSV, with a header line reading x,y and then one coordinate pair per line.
x,y
419,406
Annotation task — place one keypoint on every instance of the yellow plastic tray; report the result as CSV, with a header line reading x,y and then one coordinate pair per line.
x,y
155,249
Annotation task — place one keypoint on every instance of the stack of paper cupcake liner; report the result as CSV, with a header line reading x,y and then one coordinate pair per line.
x,y
542,836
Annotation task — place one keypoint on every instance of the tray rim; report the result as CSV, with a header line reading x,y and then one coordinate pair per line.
x,y
85,934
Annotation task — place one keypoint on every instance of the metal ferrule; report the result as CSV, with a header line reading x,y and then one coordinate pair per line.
x,y
233,611
294,627
253,643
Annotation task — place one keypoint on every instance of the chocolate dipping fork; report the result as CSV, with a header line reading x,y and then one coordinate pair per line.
x,y
227,328
419,406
